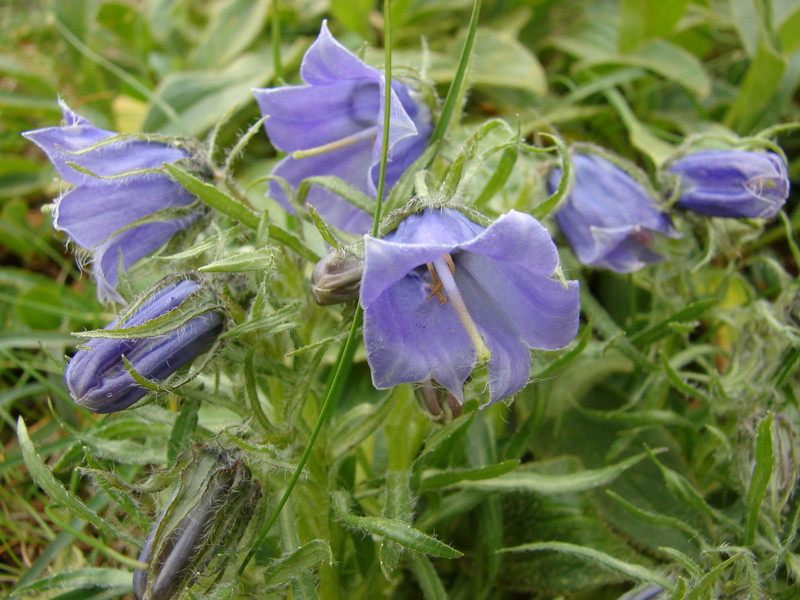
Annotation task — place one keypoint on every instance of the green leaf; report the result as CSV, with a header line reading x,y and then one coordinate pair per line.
x,y
643,20
500,60
438,479
400,532
339,187
212,196
632,570
301,561
789,33
757,91
528,480
354,15
654,333
54,489
242,262
180,438
425,573
762,471
594,41
230,30
358,423
81,578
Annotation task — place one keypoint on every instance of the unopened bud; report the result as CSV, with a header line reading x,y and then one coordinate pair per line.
x,y
199,531
438,404
336,278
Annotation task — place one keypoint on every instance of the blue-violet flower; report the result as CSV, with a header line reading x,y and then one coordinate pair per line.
x,y
608,218
441,293
333,125
97,212
732,183
97,377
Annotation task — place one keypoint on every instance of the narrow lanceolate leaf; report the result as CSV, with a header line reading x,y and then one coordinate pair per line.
x,y
54,489
632,570
241,262
438,479
402,533
428,579
299,562
547,483
762,470
82,578
212,196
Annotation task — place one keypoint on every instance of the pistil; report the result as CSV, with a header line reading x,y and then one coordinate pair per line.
x,y
364,134
445,270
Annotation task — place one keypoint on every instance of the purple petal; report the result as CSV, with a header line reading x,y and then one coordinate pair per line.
x,y
540,311
327,61
305,116
519,239
98,379
92,214
607,214
68,144
346,164
732,183
410,337
131,245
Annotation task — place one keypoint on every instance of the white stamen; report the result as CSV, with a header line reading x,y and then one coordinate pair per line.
x,y
336,145
443,266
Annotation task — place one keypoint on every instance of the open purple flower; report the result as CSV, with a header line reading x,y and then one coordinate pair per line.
x,y
732,183
333,125
97,213
441,293
97,377
608,218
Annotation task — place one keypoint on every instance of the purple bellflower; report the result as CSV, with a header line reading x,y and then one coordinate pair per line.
x,y
333,125
97,377
98,212
441,293
608,218
732,183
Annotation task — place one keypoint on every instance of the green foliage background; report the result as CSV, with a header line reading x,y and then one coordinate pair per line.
x,y
660,447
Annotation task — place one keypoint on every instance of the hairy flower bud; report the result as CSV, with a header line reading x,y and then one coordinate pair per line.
x,y
732,183
200,528
97,376
438,404
336,279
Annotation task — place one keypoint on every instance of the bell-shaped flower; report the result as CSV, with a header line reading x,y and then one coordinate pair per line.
x,y
97,213
99,380
732,183
333,125
442,294
608,218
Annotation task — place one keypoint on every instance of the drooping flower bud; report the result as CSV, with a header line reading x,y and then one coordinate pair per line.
x,y
732,183
608,218
438,404
336,278
97,376
200,529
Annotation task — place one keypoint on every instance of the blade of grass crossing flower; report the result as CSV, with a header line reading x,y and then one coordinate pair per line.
x,y
762,470
454,93
277,66
345,358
